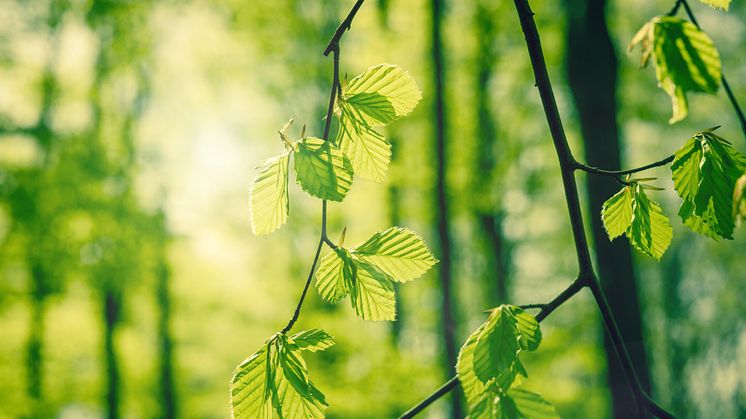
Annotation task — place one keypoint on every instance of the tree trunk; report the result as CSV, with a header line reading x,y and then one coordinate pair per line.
x,y
165,340
487,212
35,343
592,74
448,321
112,311
393,192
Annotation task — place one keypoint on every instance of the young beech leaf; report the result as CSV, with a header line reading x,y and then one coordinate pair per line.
x,y
336,275
268,201
497,345
704,172
372,295
399,253
717,4
322,169
368,151
686,59
275,379
630,212
382,94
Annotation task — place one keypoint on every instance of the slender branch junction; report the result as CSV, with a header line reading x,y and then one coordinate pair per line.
x,y
333,48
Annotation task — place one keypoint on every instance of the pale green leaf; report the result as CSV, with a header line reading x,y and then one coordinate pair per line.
x,y
382,94
705,172
650,232
497,345
530,405
717,4
275,379
686,59
335,275
322,169
529,331
472,386
311,340
616,213
269,203
399,253
368,151
372,294
251,387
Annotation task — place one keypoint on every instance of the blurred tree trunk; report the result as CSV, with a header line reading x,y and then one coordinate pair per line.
x,y
592,75
443,242
675,312
487,210
35,342
393,193
112,311
165,340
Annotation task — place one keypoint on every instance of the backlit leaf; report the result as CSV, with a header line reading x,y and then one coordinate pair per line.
x,y
382,94
399,253
335,275
372,294
322,169
616,213
269,203
368,151
717,4
650,232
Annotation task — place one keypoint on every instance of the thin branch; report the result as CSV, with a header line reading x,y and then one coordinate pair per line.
x,y
617,173
726,86
546,310
345,25
333,47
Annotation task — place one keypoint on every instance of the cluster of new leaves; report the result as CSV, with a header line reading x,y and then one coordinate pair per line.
x,y
490,370
705,173
382,94
685,59
275,379
367,272
630,212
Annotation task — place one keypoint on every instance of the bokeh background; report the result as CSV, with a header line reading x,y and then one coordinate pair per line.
x,y
131,285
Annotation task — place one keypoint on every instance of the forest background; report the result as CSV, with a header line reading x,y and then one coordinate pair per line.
x,y
130,282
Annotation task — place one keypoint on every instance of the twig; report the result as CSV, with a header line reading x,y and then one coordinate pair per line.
x,y
546,310
333,47
617,173
586,275
345,25
726,86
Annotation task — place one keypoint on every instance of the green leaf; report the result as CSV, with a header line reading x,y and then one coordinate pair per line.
x,y
311,340
472,386
717,4
368,151
531,405
650,232
251,386
497,345
336,275
399,253
616,213
705,171
269,203
382,94
322,169
276,378
529,331
686,59
372,295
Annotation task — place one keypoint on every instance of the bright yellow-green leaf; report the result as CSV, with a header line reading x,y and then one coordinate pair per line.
x,y
497,345
717,4
650,231
311,340
269,203
399,253
368,151
616,213
322,169
372,294
382,94
335,275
